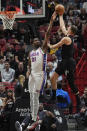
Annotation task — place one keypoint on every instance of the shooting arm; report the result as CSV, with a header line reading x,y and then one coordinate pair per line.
x,y
65,40
62,25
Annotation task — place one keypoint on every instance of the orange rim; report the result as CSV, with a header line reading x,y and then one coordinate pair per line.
x,y
9,14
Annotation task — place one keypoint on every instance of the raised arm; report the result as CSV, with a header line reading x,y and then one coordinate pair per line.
x,y
66,40
48,31
62,25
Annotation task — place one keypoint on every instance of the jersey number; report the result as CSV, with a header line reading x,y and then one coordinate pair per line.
x,y
33,59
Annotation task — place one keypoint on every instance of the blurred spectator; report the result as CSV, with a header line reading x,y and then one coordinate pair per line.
x,y
51,8
20,70
21,80
84,31
63,98
85,6
2,39
7,110
19,87
58,54
1,26
1,31
1,106
2,42
70,17
83,15
23,36
2,90
1,65
15,30
53,40
84,98
50,68
7,74
81,117
13,41
1,112
54,60
7,34
18,91
9,51
20,55
12,62
9,101
79,40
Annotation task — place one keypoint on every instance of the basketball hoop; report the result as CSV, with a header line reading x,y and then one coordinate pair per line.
x,y
8,18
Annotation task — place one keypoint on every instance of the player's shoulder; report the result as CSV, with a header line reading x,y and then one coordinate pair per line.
x,y
67,40
32,51
41,50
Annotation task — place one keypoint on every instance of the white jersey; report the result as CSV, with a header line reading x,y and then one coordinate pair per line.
x,y
38,61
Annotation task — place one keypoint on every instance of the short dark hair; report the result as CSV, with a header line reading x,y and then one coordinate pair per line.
x,y
59,85
74,29
7,61
36,38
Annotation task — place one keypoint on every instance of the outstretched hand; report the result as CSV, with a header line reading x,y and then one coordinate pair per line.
x,y
53,17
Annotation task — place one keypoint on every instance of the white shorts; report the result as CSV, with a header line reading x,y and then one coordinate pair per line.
x,y
36,82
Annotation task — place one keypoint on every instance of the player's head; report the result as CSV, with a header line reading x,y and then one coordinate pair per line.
x,y
36,42
72,30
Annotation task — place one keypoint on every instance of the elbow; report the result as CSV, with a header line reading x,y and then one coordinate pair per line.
x,y
47,33
61,27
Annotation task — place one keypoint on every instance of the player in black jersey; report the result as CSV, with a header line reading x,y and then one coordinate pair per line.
x,y
67,65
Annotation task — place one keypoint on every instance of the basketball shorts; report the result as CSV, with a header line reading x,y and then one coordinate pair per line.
x,y
66,65
36,82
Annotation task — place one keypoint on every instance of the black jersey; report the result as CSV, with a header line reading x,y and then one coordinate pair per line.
x,y
67,50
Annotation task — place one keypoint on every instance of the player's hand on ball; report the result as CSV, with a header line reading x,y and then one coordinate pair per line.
x,y
59,9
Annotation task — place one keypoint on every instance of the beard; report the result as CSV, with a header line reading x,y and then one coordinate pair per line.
x,y
37,46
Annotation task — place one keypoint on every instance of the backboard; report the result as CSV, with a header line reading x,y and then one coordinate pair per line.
x,y
24,8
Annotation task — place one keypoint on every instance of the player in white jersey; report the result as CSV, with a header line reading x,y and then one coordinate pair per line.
x,y
38,58
37,63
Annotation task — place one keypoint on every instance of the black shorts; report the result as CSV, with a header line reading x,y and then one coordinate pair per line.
x,y
66,65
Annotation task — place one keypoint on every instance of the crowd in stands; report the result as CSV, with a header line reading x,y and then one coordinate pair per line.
x,y
14,49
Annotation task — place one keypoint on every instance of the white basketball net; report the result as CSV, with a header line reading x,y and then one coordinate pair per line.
x,y
8,20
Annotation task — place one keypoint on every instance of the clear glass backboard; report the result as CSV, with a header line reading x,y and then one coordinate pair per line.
x,y
24,8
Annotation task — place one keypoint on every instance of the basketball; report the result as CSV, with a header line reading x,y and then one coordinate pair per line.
x,y
60,9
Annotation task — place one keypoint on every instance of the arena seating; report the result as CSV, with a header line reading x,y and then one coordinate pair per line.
x,y
8,85
80,79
